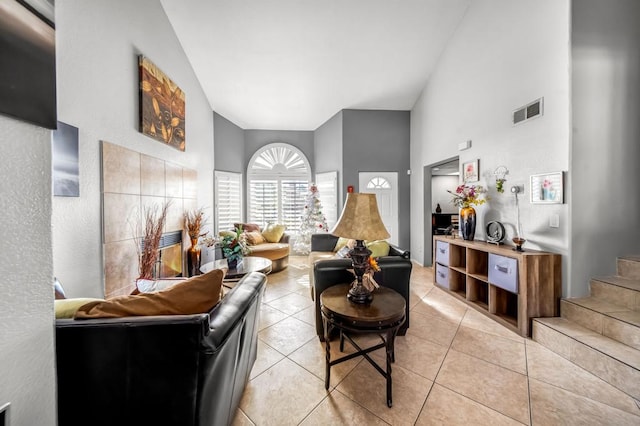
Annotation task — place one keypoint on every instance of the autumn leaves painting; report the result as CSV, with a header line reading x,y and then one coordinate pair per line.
x,y
162,106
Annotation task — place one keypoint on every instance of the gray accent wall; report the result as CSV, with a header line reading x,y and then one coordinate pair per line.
x,y
606,129
379,141
327,148
229,145
256,139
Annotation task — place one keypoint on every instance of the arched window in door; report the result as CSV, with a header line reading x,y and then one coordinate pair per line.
x,y
378,182
278,177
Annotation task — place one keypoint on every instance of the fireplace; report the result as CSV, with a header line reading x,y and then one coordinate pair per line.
x,y
169,263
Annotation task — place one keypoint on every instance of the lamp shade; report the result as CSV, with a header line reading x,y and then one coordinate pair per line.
x,y
360,219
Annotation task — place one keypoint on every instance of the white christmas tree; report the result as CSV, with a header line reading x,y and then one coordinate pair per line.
x,y
313,221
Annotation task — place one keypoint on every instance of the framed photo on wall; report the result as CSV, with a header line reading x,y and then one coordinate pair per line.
x,y
470,171
547,188
65,177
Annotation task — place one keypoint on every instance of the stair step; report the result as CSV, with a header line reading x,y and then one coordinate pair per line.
x,y
619,290
605,318
629,267
612,361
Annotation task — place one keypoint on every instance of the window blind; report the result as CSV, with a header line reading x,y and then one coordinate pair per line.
x,y
263,201
228,200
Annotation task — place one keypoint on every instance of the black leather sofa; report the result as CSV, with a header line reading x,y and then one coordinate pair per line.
x,y
162,370
395,273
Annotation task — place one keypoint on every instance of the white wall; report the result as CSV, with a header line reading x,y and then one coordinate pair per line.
x,y
27,354
98,44
606,133
503,55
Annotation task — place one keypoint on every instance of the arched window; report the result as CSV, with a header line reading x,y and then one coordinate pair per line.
x,y
278,176
378,182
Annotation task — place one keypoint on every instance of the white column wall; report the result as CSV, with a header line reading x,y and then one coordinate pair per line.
x,y
503,55
98,43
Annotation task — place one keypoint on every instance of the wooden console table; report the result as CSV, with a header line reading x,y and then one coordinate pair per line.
x,y
509,286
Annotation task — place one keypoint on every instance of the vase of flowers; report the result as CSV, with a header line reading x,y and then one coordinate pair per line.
x,y
193,221
234,247
465,197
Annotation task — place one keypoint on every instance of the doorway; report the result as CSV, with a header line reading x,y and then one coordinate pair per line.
x,y
385,186
437,178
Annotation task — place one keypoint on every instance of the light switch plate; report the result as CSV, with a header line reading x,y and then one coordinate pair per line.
x,y
554,221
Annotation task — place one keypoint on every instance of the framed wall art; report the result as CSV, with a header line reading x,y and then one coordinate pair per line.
x,y
65,162
547,188
162,106
470,171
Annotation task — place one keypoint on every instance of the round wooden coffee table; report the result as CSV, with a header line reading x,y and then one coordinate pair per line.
x,y
383,316
249,264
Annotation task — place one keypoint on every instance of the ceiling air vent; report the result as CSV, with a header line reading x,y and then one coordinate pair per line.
x,y
534,109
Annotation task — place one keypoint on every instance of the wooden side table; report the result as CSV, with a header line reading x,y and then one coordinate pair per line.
x,y
383,316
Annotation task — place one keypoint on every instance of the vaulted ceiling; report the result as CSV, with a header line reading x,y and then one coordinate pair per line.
x,y
292,64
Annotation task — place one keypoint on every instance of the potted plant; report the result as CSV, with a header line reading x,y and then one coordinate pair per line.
x,y
234,247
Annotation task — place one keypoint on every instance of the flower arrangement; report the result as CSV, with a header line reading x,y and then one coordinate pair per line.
x,y
234,246
367,278
466,195
208,240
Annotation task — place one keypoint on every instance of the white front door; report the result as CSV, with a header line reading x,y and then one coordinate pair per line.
x,y
385,186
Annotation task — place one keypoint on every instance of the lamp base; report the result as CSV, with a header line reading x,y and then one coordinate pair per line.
x,y
359,259
359,294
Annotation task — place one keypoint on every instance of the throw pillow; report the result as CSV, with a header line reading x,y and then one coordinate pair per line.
x,y
378,248
254,238
196,295
343,252
247,227
223,234
273,233
344,242
66,308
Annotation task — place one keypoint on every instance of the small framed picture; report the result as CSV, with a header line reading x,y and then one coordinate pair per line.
x,y
470,171
547,188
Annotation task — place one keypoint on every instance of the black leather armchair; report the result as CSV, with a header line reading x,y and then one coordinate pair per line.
x,y
395,273
162,370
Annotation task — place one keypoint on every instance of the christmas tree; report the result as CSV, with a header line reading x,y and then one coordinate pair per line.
x,y
313,221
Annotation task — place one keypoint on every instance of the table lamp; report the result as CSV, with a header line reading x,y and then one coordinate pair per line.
x,y
360,220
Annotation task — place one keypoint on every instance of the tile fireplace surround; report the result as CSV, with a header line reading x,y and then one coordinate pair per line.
x,y
130,182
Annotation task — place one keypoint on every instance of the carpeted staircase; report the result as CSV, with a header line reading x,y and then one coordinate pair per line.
x,y
601,333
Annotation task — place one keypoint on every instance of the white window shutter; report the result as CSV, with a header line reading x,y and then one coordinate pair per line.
x,y
228,200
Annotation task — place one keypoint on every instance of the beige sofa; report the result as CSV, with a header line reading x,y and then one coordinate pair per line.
x,y
277,252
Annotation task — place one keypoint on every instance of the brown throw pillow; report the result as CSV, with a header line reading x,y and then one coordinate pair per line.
x,y
194,296
247,227
254,238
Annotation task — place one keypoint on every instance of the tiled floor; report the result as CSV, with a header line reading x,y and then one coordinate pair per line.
x,y
454,366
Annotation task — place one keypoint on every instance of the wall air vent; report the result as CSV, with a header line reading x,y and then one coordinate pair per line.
x,y
531,110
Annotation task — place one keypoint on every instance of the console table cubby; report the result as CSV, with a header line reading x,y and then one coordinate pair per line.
x,y
509,286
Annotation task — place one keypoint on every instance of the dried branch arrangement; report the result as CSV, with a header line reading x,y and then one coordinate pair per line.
x,y
150,231
193,221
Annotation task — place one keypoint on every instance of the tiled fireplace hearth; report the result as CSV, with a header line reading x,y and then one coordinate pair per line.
x,y
130,182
